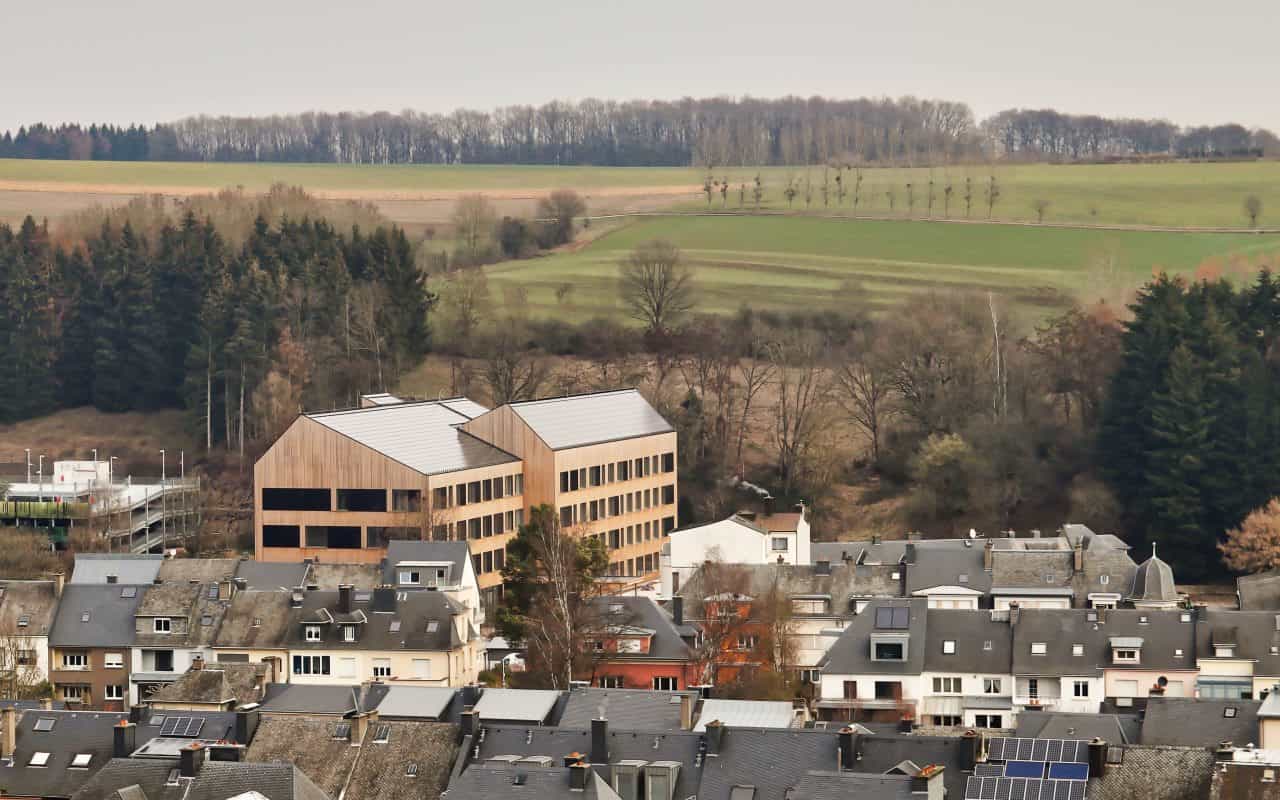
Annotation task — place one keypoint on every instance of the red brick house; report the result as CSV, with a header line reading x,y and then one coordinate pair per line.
x,y
641,648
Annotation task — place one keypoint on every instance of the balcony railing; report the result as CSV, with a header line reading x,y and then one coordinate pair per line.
x,y
867,702
1038,700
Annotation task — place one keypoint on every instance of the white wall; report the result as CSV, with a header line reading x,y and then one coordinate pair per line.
x,y
727,540
182,657
1002,603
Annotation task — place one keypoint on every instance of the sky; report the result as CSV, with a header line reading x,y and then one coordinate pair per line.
x,y
1188,61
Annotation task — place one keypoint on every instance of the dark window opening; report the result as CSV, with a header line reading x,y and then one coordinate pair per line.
x,y
406,500
295,500
280,535
668,462
344,537
668,495
889,651
362,500
888,690
381,536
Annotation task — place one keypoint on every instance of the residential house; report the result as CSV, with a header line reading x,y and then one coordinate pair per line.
x,y
967,678
198,774
437,566
175,627
641,709
743,538
216,686
640,647
1077,569
255,629
1238,653
874,670
1189,722
388,634
90,643
27,610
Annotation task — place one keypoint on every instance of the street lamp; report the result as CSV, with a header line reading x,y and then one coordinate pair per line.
x,y
111,495
40,473
164,517
28,449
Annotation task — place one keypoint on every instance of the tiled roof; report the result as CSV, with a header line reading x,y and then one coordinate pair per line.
x,y
640,709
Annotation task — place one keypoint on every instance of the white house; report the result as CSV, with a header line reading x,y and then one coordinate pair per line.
x,y
743,538
445,567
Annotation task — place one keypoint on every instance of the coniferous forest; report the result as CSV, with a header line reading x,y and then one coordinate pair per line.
x,y
187,320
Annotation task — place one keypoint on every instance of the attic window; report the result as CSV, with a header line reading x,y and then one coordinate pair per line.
x,y
213,592
81,760
986,645
616,608
949,646
892,577
964,577
1143,620
1275,651
1038,648
1104,579
382,735
257,622
1185,616
129,592
24,620
45,724
395,626
1229,712
1048,577
39,759
1177,652
411,771
342,730
433,626
84,616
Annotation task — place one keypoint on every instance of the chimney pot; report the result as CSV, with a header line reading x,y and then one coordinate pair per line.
x,y
190,760
124,739
8,731
599,741
578,772
1097,757
344,598
848,748
715,737
677,610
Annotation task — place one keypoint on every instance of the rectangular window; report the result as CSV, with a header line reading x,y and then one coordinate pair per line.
x,y
440,533
1080,688
594,476
850,690
624,470
991,686
74,694
440,497
488,489
1077,649
487,524
611,473
27,658
566,516
889,651
473,528
295,500
75,661
476,563
988,721
666,684
381,536
362,499
488,562
114,691
406,500
497,524
610,682
473,492
668,494
497,488
113,660
780,544
946,720
499,560
382,668
460,494
281,535
311,665
511,487
1126,656
949,647
422,669
668,525
349,634
519,484
312,633
344,537
1038,648
161,625
668,462
410,577
946,686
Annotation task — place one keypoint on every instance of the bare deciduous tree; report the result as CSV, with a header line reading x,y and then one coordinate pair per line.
x,y
474,222
800,413
656,285
864,379
1253,209
512,369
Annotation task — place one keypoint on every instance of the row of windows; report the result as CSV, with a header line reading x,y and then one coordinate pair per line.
x,y
661,683
346,667
629,567
348,537
632,534
464,494
955,721
402,500
75,693
489,561
617,505
572,480
955,685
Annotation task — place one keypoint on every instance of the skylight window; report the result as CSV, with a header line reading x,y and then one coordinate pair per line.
x,y
1038,648
395,626
382,735
24,620
411,771
45,724
81,760
433,626
1077,649
39,760
1229,712
84,616
949,646
129,592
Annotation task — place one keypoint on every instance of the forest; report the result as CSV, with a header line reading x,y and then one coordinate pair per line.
x,y
714,132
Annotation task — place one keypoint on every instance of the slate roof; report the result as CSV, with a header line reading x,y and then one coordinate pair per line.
x,y
257,620
1254,634
1163,635
581,420
110,616
1153,582
422,436
73,732
399,551
639,709
307,743
1193,722
425,621
331,576
128,569
945,562
1113,728
982,646
882,752
746,714
843,583
381,768
851,653
483,782
318,699
34,601
216,780
186,600
197,570
1259,592
416,702
271,576
557,743
517,705
666,644
818,785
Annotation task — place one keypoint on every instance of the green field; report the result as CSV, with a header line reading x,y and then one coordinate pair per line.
x,y
805,263
1178,195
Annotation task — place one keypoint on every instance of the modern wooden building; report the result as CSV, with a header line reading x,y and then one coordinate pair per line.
x,y
338,486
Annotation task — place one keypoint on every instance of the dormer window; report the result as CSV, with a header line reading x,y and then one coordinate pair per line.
x,y
348,633
1126,655
1224,651
628,645
162,625
312,633
410,577
1077,649
949,646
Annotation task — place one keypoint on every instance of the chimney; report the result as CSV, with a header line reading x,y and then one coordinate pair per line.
x,y
573,758
1035,533
599,741
928,782
1078,553
190,760
470,695
8,731
46,703
247,718
344,598
1014,612
909,553
1097,757
1225,752
360,725
226,752
135,714
686,711
59,583
197,663
969,750
988,550
904,724
677,610
578,773
469,721
715,737
848,748
124,739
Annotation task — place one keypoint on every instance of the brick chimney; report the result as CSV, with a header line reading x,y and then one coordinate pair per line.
x,y
8,731
190,760
124,739
59,583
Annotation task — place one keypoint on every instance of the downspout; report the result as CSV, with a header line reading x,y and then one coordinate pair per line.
x,y
342,793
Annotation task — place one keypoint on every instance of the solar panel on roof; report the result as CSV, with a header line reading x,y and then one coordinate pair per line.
x,y
988,770
972,788
1017,789
901,616
1055,750
1039,750
1025,747
989,788
1033,788
1004,787
995,749
1077,790
1069,771
1024,769
186,727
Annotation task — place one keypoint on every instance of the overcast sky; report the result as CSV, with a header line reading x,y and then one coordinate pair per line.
x,y
1190,61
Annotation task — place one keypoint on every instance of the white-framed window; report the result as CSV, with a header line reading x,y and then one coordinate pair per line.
x,y
312,633
947,720
161,625
1080,688
73,694
991,686
114,691
627,645
748,641
1038,648
1126,655
348,633
422,669
410,577
382,668
946,685
1221,651
611,682
810,675
113,660
949,646
666,683
311,665
780,544
39,759
74,660
988,721
1077,649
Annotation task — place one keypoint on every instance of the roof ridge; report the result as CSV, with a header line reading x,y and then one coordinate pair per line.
x,y
575,396
403,404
